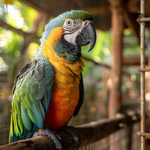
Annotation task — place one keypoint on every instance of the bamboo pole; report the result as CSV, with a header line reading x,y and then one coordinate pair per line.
x,y
142,44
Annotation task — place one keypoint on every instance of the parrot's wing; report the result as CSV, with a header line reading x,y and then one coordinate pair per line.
x,y
81,97
31,99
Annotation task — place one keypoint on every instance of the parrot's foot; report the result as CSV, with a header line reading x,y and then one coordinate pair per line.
x,y
55,138
73,132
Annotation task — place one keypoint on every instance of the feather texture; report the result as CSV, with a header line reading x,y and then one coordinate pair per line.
x,y
31,97
37,94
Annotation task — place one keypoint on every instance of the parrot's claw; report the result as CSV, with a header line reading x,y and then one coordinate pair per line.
x,y
73,132
55,138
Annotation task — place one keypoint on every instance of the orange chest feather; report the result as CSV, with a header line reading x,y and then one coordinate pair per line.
x,y
64,99
65,90
65,96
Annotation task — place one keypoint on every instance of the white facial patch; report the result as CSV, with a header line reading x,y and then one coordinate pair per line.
x,y
71,38
72,28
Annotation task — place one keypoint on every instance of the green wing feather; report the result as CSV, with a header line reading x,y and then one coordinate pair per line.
x,y
31,97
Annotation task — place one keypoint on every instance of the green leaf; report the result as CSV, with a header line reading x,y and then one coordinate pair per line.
x,y
98,47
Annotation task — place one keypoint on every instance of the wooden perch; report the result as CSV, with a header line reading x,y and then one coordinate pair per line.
x,y
89,133
131,22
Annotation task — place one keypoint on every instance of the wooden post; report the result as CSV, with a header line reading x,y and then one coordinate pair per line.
x,y
117,25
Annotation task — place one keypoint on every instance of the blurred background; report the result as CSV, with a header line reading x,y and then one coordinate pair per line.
x,y
111,65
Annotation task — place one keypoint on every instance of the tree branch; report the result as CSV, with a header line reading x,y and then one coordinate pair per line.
x,y
100,64
28,38
19,31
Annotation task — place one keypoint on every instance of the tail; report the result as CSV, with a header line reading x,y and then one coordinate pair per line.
x,y
13,139
26,134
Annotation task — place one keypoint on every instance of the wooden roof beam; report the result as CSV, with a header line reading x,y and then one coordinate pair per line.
x,y
94,10
35,7
131,23
98,10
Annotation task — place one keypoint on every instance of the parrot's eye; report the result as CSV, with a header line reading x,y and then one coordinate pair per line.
x,y
68,23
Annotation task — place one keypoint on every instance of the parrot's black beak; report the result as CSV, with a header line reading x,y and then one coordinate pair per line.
x,y
86,36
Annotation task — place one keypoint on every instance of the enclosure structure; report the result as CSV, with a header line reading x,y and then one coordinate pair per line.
x,y
142,21
121,11
118,133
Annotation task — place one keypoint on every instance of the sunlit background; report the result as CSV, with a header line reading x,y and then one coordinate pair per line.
x,y
20,31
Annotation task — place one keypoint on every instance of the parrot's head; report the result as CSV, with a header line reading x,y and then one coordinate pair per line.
x,y
68,32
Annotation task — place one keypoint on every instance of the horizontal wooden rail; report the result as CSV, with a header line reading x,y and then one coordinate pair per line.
x,y
89,133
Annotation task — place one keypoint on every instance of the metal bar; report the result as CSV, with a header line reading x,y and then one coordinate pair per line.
x,y
142,44
144,69
144,19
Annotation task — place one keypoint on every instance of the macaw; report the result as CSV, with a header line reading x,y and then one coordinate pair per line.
x,y
48,91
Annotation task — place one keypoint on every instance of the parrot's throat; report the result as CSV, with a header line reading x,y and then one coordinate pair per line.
x,y
55,43
70,48
59,51
67,51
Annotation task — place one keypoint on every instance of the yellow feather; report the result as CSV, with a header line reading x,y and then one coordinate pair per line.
x,y
11,127
60,78
77,80
70,79
80,63
20,124
15,125
61,68
58,84
24,104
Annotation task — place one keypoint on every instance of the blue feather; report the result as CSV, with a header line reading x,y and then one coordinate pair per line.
x,y
14,138
49,99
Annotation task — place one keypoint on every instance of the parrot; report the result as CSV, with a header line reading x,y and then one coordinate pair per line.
x,y
49,91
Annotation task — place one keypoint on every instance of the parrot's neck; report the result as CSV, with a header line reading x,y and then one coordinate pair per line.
x,y
56,49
